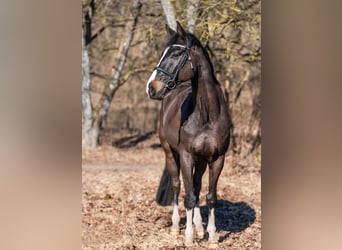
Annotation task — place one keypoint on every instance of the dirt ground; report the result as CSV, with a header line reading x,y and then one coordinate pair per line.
x,y
120,180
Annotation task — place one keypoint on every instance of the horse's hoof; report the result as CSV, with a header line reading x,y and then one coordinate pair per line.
x,y
212,244
200,234
189,242
174,231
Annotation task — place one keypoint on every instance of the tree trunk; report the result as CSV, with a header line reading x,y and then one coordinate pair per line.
x,y
89,134
100,112
191,14
169,13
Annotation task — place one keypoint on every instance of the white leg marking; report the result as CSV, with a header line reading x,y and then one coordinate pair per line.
x,y
189,232
175,220
198,222
211,225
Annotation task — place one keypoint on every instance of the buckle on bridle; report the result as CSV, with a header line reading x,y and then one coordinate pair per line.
x,y
171,84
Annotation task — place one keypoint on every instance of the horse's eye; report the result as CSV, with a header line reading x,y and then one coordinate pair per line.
x,y
175,53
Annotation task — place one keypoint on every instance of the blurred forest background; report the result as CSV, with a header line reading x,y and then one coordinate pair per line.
x,y
122,43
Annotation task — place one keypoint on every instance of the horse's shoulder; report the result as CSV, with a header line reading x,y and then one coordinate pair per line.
x,y
176,97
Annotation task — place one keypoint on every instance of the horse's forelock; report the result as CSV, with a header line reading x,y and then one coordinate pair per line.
x,y
174,39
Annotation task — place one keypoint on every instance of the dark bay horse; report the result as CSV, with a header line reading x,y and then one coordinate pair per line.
x,y
194,128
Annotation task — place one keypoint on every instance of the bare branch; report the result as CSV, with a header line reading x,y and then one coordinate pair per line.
x,y
114,84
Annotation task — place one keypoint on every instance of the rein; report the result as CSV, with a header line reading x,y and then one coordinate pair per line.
x,y
171,84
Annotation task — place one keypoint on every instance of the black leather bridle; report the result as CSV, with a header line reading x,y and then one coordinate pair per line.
x,y
171,84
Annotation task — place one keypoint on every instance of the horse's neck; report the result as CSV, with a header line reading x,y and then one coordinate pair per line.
x,y
206,97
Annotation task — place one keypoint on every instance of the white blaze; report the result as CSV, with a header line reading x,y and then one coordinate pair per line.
x,y
154,73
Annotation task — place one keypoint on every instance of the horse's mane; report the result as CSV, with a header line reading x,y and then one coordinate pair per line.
x,y
198,43
176,39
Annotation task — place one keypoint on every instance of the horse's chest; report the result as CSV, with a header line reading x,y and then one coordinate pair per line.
x,y
190,128
200,140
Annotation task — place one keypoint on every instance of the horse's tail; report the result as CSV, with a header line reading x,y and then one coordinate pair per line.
x,y
164,193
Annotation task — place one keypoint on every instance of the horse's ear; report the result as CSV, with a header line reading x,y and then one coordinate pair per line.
x,y
169,30
181,32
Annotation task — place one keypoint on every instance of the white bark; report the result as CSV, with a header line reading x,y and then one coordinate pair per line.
x,y
86,98
89,135
191,14
169,13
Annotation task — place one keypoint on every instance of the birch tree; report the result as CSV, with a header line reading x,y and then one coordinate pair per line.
x,y
169,13
192,14
87,131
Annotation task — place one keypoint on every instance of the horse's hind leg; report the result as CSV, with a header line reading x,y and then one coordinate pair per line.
x,y
199,171
215,169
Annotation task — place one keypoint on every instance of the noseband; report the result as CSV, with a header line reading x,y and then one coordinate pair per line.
x,y
171,84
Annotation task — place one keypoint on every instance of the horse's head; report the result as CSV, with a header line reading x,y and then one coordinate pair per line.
x,y
176,64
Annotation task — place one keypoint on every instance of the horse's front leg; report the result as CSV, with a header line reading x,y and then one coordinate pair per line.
x,y
186,164
173,168
215,169
175,215
200,167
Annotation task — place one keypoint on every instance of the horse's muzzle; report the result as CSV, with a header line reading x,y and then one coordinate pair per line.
x,y
156,90
153,94
151,91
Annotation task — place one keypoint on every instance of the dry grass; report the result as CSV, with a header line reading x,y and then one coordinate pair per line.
x,y
119,211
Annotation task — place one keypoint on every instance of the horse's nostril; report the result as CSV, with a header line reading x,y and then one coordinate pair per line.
x,y
151,90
